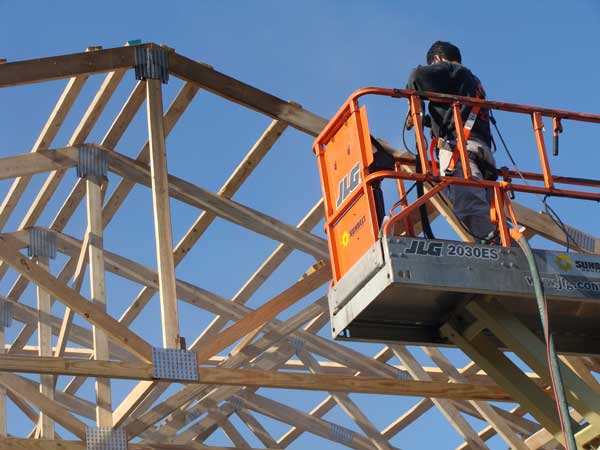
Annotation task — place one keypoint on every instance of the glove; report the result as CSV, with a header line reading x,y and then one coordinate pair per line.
x,y
409,121
410,124
427,121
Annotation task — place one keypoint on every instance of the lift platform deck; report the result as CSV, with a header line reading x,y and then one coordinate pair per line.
x,y
403,289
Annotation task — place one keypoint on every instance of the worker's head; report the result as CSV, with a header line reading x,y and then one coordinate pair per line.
x,y
443,51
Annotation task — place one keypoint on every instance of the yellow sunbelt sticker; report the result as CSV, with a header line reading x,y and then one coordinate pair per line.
x,y
564,262
345,238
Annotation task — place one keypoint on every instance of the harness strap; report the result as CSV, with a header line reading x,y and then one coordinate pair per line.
x,y
432,146
467,132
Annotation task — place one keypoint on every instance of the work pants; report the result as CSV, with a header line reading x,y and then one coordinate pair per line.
x,y
471,204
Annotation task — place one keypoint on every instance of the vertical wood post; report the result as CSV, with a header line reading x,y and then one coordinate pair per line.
x,y
98,295
162,215
46,424
2,390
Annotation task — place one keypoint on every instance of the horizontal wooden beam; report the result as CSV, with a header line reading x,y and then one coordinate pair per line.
x,y
258,378
66,66
35,162
12,443
225,208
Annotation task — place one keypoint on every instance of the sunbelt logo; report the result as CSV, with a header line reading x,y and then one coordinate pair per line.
x,y
564,262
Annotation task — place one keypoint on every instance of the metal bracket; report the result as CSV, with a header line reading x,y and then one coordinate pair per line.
x,y
404,375
92,161
152,63
105,438
6,313
341,433
296,343
193,415
582,240
174,364
41,243
236,403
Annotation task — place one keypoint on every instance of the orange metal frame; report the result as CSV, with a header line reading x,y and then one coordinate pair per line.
x,y
344,154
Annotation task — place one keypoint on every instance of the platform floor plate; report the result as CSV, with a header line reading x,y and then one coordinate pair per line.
x,y
421,282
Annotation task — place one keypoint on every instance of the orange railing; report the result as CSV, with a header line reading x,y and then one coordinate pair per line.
x,y
344,155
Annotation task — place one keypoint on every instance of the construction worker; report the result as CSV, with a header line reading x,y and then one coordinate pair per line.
x,y
445,73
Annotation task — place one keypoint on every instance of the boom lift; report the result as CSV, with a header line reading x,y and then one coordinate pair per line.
x,y
391,286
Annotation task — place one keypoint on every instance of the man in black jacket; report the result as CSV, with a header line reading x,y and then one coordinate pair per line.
x,y
444,73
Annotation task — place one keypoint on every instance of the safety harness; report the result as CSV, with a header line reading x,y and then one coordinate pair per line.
x,y
488,171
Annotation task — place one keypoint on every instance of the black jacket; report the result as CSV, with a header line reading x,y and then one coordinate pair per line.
x,y
455,79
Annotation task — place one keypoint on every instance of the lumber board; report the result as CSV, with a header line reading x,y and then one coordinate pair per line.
x,y
176,109
66,66
247,377
98,295
541,223
246,95
163,233
46,424
267,361
28,164
84,127
3,410
14,443
128,111
15,293
416,411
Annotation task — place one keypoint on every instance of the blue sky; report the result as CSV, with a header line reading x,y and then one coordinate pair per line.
x,y
314,53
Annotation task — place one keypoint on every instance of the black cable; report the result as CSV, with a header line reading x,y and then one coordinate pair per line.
x,y
404,135
551,212
425,224
493,120
556,219
395,205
